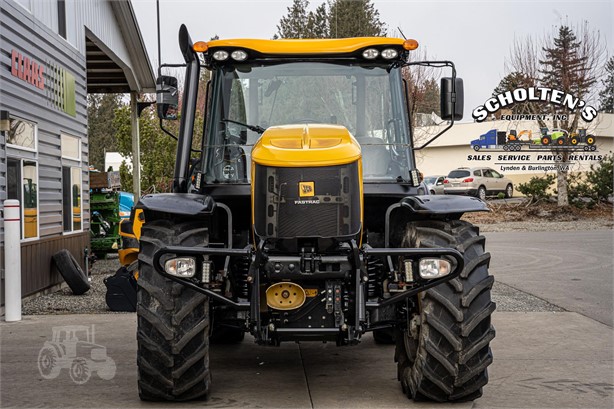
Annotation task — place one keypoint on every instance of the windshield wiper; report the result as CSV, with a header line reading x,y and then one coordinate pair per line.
x,y
255,128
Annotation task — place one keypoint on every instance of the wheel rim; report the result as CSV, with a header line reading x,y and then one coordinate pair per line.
x,y
509,191
79,372
46,362
482,193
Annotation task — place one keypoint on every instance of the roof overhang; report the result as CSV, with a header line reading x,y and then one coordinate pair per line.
x,y
105,71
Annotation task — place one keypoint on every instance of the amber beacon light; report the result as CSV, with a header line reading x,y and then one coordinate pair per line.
x,y
200,47
410,44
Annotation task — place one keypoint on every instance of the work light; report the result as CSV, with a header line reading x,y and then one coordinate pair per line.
x,y
220,55
239,55
370,53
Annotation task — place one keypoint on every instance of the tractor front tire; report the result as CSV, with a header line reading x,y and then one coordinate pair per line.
x,y
444,353
173,321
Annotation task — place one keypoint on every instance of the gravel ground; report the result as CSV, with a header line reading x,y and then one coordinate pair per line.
x,y
64,302
546,226
509,299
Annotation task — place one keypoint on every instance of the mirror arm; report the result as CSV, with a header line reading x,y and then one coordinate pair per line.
x,y
437,64
427,143
166,131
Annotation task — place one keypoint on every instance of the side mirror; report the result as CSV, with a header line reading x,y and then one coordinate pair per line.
x,y
452,104
167,97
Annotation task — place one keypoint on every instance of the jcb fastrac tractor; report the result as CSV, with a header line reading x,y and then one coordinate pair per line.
x,y
301,217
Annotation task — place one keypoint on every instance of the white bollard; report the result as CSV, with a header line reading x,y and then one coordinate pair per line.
x,y
12,261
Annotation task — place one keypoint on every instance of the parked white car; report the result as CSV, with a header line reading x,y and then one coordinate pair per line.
x,y
435,184
478,182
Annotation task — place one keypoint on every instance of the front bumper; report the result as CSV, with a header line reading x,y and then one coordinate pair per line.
x,y
466,191
361,278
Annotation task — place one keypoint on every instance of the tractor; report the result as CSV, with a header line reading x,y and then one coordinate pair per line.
x,y
298,214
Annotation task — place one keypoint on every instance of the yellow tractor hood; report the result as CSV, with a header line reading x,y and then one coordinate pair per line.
x,y
306,145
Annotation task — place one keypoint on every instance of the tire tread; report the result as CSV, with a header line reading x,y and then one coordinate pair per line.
x,y
453,351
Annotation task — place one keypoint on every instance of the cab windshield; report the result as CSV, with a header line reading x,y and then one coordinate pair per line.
x,y
366,99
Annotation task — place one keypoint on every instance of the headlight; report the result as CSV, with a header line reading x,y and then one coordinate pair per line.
x,y
239,55
370,53
390,53
220,55
434,268
181,267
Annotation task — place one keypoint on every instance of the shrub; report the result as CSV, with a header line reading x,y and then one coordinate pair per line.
x,y
594,186
536,189
601,177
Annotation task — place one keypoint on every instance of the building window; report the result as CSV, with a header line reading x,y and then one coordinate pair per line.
x,y
62,18
22,185
22,134
71,147
71,183
71,198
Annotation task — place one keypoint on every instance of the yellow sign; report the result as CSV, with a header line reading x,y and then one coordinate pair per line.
x,y
306,189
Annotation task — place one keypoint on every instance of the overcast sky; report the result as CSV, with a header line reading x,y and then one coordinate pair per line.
x,y
476,35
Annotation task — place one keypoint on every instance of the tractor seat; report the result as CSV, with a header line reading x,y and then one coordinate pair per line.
x,y
375,156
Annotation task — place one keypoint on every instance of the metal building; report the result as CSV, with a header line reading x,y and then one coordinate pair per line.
x,y
52,54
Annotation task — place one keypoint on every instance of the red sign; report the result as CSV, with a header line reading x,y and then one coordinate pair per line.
x,y
27,70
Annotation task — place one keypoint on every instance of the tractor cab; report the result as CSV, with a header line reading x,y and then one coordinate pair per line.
x,y
355,83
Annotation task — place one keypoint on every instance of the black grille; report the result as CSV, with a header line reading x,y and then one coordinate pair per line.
x,y
331,209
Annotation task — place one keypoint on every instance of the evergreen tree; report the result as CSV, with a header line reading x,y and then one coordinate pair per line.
x,y
294,24
338,19
564,67
158,150
317,23
354,18
101,132
606,101
510,82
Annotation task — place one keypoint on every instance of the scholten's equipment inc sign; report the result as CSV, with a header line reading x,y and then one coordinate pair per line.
x,y
533,94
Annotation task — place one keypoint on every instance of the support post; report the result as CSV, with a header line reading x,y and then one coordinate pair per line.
x,y
12,260
136,147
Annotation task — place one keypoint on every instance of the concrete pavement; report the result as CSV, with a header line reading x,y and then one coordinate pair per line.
x,y
547,359
571,269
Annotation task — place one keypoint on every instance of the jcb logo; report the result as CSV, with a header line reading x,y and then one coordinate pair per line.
x,y
306,189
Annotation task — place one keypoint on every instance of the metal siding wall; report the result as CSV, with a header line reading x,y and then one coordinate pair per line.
x,y
37,41
99,18
46,11
39,253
